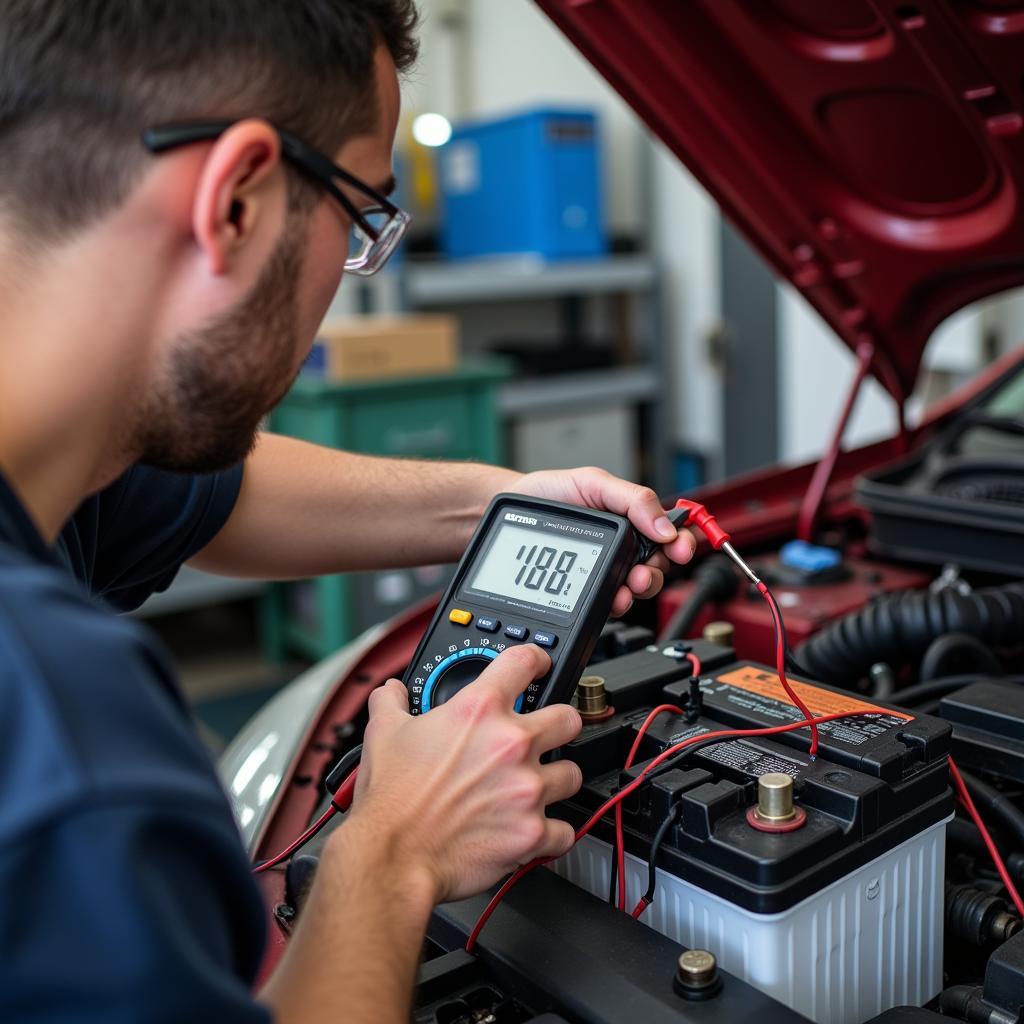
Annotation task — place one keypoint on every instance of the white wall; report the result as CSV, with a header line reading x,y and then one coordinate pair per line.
x,y
686,243
817,369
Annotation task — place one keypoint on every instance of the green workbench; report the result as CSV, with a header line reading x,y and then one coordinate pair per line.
x,y
448,416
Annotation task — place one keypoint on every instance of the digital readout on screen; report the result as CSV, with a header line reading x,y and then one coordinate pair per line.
x,y
532,565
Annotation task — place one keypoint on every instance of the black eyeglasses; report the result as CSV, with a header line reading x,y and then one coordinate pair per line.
x,y
376,230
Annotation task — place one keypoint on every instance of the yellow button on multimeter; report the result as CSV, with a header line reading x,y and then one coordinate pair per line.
x,y
460,617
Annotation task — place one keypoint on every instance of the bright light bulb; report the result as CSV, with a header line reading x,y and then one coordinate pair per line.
x,y
431,129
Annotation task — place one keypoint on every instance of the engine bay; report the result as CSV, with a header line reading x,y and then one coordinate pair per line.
x,y
858,884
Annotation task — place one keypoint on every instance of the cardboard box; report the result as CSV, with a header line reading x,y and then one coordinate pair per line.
x,y
381,347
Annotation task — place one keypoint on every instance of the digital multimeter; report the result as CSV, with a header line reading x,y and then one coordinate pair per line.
x,y
537,572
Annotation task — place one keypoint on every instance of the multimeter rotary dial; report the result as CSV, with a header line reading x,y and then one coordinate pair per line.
x,y
455,673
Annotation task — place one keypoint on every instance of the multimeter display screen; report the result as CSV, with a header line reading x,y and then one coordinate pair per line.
x,y
543,568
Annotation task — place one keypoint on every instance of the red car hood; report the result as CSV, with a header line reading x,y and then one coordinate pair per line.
x,y
873,153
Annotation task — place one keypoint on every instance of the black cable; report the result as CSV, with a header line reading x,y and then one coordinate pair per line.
x,y
336,776
652,858
991,801
958,654
715,581
911,696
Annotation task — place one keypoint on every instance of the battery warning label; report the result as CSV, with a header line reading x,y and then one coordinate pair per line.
x,y
757,689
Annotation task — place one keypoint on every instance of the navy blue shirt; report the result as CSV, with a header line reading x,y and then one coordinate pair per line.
x,y
125,894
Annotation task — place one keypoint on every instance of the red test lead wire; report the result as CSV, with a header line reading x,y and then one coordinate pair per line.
x,y
780,663
721,541
620,845
341,801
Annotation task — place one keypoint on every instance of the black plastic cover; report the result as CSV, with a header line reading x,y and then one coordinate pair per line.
x,y
988,727
550,944
959,499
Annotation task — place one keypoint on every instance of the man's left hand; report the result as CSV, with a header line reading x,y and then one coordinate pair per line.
x,y
596,488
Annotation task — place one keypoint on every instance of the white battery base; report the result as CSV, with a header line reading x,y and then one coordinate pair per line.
x,y
866,942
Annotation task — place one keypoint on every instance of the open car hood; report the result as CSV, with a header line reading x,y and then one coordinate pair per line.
x,y
873,153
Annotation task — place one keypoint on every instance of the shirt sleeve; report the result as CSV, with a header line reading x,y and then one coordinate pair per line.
x,y
134,536
130,912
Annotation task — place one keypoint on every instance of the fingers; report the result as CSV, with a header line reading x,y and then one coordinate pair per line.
x,y
640,505
510,673
561,780
682,549
390,699
622,602
645,581
558,839
552,727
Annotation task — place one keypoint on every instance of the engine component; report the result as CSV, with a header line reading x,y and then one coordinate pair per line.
x,y
697,975
856,893
978,917
714,581
721,633
898,628
958,653
999,1002
959,498
807,608
988,728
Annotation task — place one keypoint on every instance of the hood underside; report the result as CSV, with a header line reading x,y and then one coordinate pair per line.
x,y
873,153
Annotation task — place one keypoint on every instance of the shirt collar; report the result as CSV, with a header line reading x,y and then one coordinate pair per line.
x,y
17,528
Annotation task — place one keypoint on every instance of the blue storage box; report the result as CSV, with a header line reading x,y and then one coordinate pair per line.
x,y
523,185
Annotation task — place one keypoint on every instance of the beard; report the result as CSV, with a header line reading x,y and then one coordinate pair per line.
x,y
225,377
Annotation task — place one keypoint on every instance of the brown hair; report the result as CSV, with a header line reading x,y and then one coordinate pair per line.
x,y
80,80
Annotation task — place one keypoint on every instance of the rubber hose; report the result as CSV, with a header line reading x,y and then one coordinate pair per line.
x,y
958,648
995,803
964,1002
911,696
899,628
715,580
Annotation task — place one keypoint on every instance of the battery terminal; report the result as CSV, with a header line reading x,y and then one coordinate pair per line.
x,y
775,810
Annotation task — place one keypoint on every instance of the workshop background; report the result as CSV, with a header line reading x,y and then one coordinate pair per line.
x,y
568,295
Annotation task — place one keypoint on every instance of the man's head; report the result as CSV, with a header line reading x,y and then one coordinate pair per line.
x,y
232,253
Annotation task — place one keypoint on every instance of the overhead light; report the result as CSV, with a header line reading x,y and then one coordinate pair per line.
x,y
431,129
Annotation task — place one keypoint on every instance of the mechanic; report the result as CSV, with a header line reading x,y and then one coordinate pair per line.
x,y
155,307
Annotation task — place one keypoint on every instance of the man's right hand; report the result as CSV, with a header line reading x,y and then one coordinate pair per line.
x,y
461,791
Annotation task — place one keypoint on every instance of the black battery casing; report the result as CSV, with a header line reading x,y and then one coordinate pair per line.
x,y
879,779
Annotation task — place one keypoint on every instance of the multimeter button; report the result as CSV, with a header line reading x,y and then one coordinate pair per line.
x,y
543,638
516,632
488,625
460,617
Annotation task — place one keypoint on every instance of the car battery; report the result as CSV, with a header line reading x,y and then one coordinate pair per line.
x,y
809,600
839,918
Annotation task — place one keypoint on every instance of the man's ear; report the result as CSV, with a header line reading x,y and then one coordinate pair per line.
x,y
234,194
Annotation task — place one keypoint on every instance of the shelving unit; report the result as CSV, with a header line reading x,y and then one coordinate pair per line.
x,y
639,380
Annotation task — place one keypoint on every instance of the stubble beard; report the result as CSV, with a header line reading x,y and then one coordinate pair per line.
x,y
224,378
